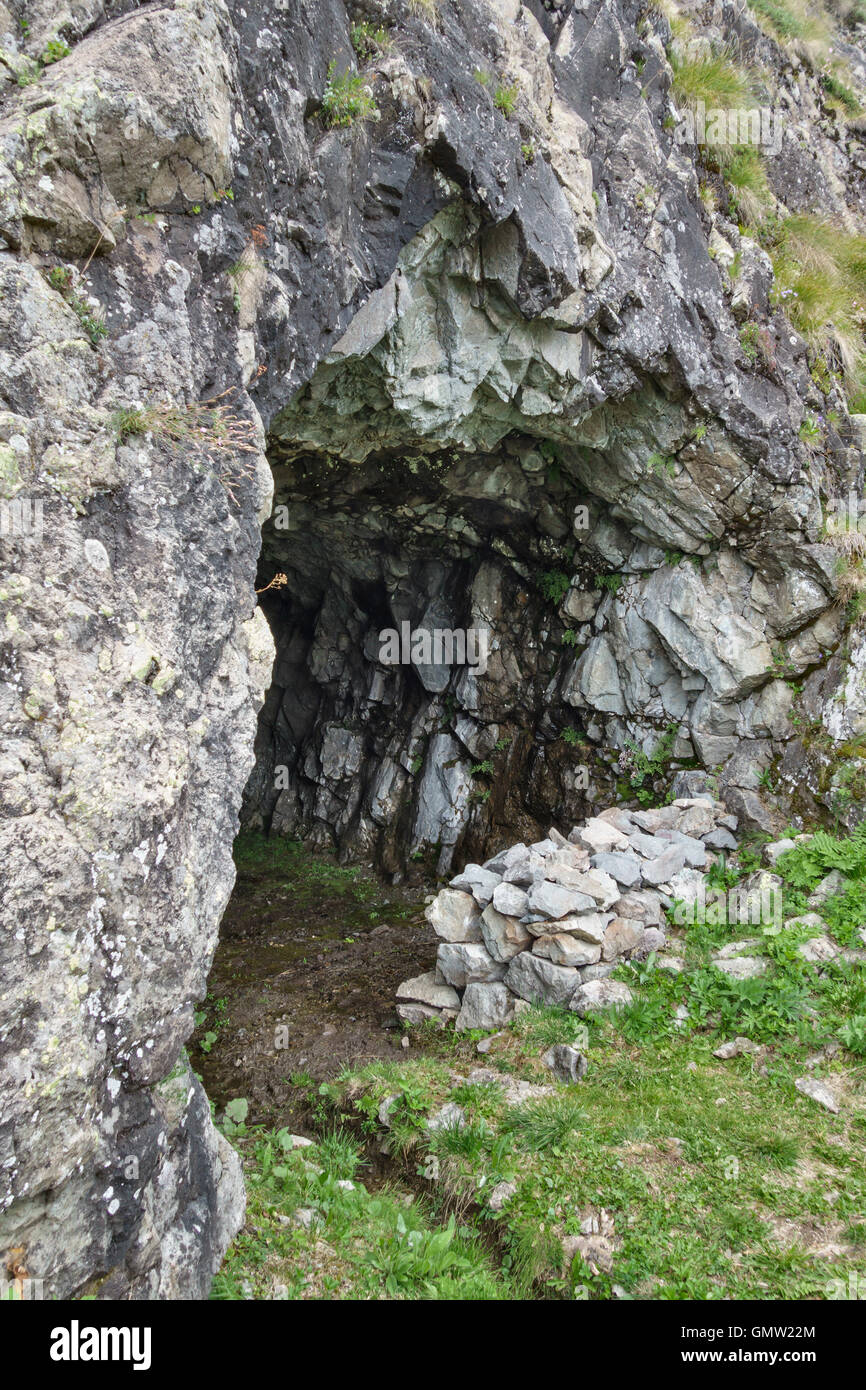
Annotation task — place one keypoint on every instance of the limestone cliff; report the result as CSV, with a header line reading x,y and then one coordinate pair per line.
x,y
499,299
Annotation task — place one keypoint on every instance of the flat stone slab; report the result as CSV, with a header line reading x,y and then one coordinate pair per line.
x,y
552,900
425,989
624,868
818,1091
565,949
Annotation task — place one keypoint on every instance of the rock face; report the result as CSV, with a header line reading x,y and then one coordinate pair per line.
x,y
541,424
500,383
540,958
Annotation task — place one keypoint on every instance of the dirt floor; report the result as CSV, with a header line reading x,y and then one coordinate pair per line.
x,y
304,978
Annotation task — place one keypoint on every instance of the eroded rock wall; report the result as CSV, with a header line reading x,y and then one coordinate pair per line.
x,y
520,312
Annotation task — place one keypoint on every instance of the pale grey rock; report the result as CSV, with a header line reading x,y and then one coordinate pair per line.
x,y
538,980
563,948
461,963
653,942
775,849
454,916
741,967
720,839
480,882
450,1116
642,906
501,1195
818,1091
485,1006
625,868
735,1048
552,900
655,871
425,989
622,937
600,836
818,950
596,995
832,883
509,900
503,936
588,926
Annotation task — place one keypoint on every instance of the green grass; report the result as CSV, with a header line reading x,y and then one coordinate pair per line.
x,y
820,275
718,1179
791,19
714,79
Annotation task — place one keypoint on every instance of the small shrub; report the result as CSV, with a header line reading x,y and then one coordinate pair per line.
x,y
554,585
347,98
60,279
505,99
54,50
369,40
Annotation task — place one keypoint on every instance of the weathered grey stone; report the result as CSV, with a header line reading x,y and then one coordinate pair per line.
x,y
720,839
833,883
735,1048
510,900
450,1116
595,995
818,1091
621,937
818,950
588,926
540,981
565,949
462,963
481,883
425,989
741,967
625,868
566,1062
552,900
485,1006
662,869
503,936
501,1195
642,906
454,916
653,942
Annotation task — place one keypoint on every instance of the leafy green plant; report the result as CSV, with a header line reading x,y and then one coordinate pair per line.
x,y
54,50
646,767
554,585
611,582
347,98
656,463
757,344
369,40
